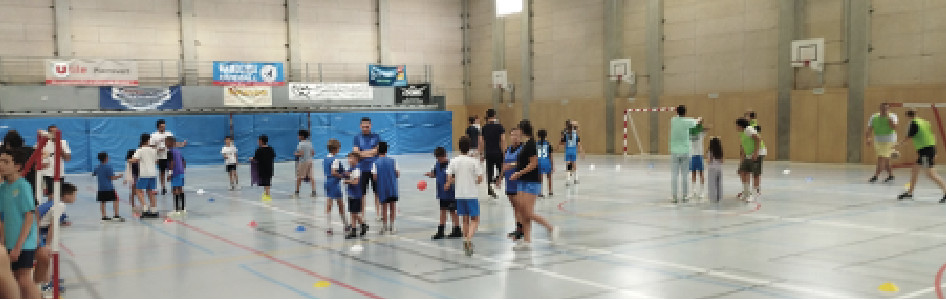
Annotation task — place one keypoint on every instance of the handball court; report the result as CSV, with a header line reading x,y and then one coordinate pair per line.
x,y
819,231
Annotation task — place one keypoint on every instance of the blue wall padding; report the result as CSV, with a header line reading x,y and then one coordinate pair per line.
x,y
405,132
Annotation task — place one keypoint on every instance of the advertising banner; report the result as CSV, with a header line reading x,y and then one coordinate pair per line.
x,y
91,72
412,94
326,91
248,96
380,75
140,98
235,73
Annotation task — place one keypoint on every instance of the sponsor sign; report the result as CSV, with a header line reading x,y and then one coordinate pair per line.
x,y
234,73
248,96
140,98
91,72
325,91
412,94
380,75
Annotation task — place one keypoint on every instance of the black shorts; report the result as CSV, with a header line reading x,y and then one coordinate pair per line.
x,y
265,180
389,200
231,168
163,165
106,196
926,157
367,177
355,205
25,261
448,204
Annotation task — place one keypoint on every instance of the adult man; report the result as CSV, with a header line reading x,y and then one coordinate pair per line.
x,y
492,143
924,141
680,151
366,144
882,127
158,141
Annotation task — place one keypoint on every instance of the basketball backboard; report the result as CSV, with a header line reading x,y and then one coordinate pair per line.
x,y
620,69
500,79
808,53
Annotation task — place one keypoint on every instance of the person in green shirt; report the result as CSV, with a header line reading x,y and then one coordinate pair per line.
x,y
924,141
753,153
882,134
680,127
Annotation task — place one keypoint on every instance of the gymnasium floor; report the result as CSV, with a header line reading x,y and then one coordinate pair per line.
x,y
820,232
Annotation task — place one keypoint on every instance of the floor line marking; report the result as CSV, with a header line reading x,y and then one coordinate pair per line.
x,y
277,282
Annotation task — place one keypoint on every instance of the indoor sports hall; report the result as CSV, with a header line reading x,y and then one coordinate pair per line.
x,y
348,149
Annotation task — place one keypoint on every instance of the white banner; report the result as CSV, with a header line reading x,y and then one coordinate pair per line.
x,y
248,96
330,91
95,72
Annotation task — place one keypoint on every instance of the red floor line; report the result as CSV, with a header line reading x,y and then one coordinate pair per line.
x,y
280,261
68,251
938,282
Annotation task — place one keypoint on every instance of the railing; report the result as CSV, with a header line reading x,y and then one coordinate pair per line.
x,y
31,70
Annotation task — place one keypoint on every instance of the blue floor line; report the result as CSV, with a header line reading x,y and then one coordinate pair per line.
x,y
394,281
177,237
277,282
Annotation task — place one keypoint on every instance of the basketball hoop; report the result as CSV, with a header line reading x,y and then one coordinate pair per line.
x,y
616,78
801,63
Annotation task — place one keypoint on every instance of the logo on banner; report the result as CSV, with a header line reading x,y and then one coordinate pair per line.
x,y
380,75
140,99
413,94
325,91
92,72
230,73
61,69
247,96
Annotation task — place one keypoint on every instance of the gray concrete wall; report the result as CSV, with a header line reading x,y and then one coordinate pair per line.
x,y
26,28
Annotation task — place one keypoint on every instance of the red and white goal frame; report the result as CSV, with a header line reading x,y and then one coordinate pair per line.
x,y
35,161
630,120
939,123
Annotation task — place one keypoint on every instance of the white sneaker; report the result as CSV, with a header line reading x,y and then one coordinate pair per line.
x,y
391,230
556,234
522,246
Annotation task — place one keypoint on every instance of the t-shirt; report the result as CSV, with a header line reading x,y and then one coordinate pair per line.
x,y
366,142
571,142
49,211
307,151
264,157
103,174
492,138
440,171
544,152
16,199
466,170
386,169
331,163
750,131
354,190
178,160
147,162
473,132
528,150
696,143
231,154
884,138
50,149
680,134
158,140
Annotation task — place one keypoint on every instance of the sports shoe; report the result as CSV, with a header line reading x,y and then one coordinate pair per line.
x,y
889,179
118,219
439,235
522,246
943,200
391,230
164,191
468,248
232,187
541,196
313,194
353,234
295,195
515,235
555,234
456,233
329,232
106,219
872,179
905,196
364,229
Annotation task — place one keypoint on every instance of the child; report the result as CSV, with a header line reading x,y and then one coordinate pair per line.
x,y
572,144
176,166
753,153
333,190
448,204
304,153
512,186
147,158
386,172
47,212
8,286
131,167
355,198
265,158
18,228
715,186
465,171
697,133
106,191
546,167
229,152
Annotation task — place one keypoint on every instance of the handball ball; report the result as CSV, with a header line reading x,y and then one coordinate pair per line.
x,y
422,185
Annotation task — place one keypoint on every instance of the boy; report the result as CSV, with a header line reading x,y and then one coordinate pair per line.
x,y
697,134
753,152
473,132
466,172
147,159
448,204
333,190
133,169
546,167
18,228
176,166
265,158
304,153
47,212
106,193
572,143
355,198
229,152
386,172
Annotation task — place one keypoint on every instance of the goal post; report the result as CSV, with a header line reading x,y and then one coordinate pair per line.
x,y
937,117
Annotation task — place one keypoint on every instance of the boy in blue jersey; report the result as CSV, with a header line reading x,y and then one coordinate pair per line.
x,y
18,228
333,170
355,198
386,171
448,203
546,167
572,143
106,192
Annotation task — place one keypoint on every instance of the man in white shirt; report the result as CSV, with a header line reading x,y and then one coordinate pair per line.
x,y
465,171
157,141
882,133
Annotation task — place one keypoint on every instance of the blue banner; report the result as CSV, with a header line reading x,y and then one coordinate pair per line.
x,y
235,73
140,98
379,75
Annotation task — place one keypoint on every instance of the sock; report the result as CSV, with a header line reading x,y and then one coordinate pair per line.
x,y
328,219
183,200
745,189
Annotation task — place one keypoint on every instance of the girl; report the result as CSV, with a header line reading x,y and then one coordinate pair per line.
x,y
572,144
527,166
546,167
509,167
715,170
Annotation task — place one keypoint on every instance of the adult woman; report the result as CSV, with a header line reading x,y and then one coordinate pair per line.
x,y
512,187
527,165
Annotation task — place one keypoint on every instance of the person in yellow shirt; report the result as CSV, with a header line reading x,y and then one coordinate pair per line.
x,y
924,141
882,134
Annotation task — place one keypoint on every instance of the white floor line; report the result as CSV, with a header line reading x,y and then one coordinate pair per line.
x,y
918,293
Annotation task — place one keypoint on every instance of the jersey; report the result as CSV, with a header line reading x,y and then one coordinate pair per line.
x,y
354,190
545,153
511,156
571,141
440,171
386,169
332,163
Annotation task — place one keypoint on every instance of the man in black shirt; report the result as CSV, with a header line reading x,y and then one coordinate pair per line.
x,y
492,143
265,158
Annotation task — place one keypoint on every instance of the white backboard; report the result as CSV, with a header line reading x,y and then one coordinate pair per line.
x,y
811,50
499,78
619,67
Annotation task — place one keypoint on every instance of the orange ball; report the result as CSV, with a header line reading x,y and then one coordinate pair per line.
x,y
422,185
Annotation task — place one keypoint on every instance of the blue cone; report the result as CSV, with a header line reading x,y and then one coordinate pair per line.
x,y
210,200
300,228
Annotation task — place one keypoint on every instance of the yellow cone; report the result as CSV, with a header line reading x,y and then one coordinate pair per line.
x,y
888,287
322,284
906,186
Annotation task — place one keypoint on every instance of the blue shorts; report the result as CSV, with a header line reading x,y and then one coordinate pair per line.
x,y
468,207
149,183
177,180
696,163
571,157
333,190
512,187
534,188
545,167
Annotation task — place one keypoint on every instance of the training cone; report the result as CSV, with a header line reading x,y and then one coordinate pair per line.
x,y
422,185
210,200
300,228
357,248
252,223
200,191
322,284
888,287
591,168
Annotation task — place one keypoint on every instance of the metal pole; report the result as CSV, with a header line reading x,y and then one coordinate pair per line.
x,y
858,48
655,32
526,51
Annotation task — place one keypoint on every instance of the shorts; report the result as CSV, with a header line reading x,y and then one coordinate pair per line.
x,y
388,200
468,207
571,157
333,191
163,165
106,196
177,180
696,163
448,204
231,168
545,168
304,169
529,187
25,261
512,187
747,165
355,205
367,177
146,183
926,157
47,185
883,150
266,180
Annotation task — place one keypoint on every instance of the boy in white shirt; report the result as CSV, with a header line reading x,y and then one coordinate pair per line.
x,y
697,134
465,171
147,158
229,153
